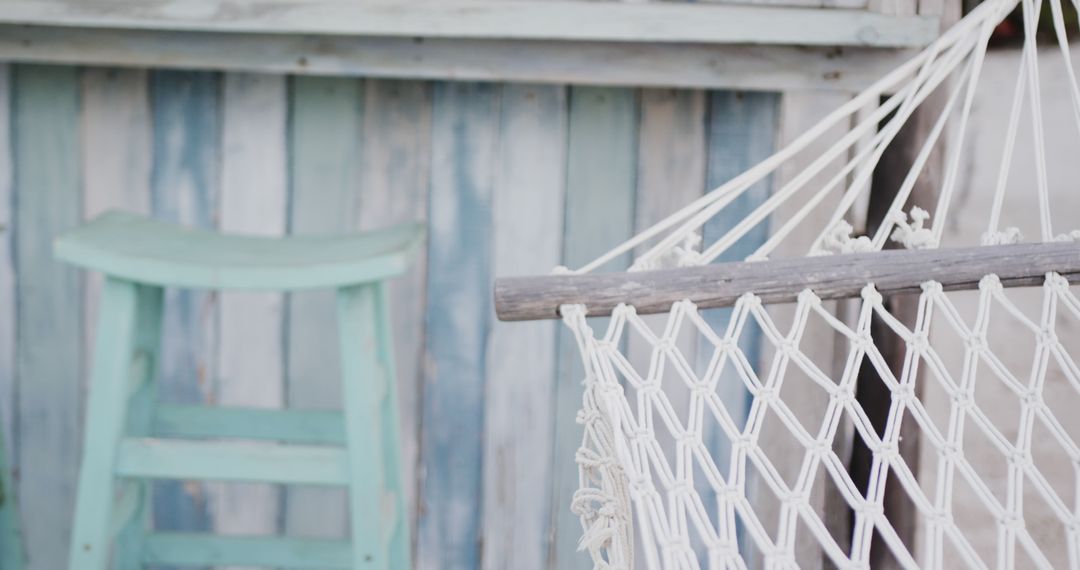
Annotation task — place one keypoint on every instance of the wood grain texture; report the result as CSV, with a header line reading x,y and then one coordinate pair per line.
x,y
11,548
7,271
45,127
250,368
464,145
781,281
325,149
184,189
716,66
116,164
560,20
394,189
521,372
600,184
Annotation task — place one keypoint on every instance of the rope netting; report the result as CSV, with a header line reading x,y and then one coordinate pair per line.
x,y
722,438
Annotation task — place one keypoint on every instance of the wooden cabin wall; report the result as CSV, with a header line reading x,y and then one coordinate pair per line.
x,y
511,178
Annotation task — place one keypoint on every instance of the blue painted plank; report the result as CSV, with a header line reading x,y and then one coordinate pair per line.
x,y
45,127
742,131
184,189
464,140
325,148
601,170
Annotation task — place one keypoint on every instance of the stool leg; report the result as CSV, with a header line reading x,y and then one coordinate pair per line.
x,y
360,390
105,421
400,543
143,401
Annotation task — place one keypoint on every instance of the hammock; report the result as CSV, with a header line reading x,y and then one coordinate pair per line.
x,y
699,450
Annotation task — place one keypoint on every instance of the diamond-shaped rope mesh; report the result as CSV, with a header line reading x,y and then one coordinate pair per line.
x,y
693,506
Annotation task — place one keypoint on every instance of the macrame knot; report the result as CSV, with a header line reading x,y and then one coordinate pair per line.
x,y
913,235
1071,236
685,254
1008,236
839,240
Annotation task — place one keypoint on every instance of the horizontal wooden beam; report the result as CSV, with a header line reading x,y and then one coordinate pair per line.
x,y
229,461
490,19
781,281
706,66
190,549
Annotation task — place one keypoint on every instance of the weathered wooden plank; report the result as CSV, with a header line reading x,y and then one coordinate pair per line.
x,y
781,281
250,369
45,127
7,271
11,551
325,151
714,66
561,20
600,183
464,144
184,189
394,189
521,374
115,159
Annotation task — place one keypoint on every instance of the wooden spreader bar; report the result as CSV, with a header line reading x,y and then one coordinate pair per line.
x,y
781,281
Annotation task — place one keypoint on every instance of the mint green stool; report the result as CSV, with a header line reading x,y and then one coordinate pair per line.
x,y
130,439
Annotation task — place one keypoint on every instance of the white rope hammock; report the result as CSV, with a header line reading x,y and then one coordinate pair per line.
x,y
657,490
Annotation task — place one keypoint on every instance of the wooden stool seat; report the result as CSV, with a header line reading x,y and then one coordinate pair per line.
x,y
148,251
132,439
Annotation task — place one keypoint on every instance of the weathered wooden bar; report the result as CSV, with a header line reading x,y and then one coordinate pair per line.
x,y
781,281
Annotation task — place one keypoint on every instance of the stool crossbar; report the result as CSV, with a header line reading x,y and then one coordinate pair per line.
x,y
131,439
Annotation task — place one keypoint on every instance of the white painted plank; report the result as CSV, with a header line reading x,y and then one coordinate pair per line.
x,y
7,274
722,66
115,159
394,188
680,22
521,372
253,201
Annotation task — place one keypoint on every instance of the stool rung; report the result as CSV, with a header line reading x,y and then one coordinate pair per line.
x,y
319,427
229,461
184,549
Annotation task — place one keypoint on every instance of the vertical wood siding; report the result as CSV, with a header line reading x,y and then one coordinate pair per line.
x,y
394,189
600,175
250,371
513,179
45,121
518,404
184,189
325,149
465,132
10,549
